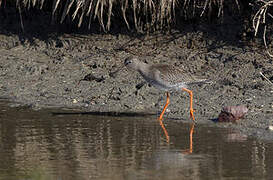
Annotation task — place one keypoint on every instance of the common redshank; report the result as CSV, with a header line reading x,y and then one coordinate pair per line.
x,y
165,77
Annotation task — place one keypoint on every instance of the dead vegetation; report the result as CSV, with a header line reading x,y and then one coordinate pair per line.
x,y
142,15
262,16
151,15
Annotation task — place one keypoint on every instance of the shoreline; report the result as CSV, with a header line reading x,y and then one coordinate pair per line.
x,y
47,75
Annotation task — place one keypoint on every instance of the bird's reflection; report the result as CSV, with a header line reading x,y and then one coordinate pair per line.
x,y
164,130
186,151
189,151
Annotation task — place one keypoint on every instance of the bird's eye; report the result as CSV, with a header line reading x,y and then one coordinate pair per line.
x,y
127,62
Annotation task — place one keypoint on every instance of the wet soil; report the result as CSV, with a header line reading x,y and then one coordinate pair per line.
x,y
43,68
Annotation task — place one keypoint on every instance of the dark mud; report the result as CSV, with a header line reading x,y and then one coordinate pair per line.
x,y
45,70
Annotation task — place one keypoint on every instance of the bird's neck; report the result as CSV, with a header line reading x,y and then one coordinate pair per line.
x,y
142,67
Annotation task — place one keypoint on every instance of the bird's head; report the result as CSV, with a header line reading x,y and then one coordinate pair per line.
x,y
132,63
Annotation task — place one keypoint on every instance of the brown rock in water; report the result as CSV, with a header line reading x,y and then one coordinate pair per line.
x,y
232,113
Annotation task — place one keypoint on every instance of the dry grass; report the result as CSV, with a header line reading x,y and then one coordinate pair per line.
x,y
142,15
261,17
149,15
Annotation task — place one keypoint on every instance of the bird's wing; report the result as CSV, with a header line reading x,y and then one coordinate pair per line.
x,y
173,74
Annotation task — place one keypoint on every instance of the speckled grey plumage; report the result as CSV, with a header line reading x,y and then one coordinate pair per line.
x,y
162,76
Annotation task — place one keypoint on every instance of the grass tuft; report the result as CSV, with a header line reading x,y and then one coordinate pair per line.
x,y
150,15
144,15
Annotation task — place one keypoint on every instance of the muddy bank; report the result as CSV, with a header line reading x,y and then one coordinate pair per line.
x,y
43,73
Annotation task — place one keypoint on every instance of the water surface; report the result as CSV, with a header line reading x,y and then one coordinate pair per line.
x,y
64,145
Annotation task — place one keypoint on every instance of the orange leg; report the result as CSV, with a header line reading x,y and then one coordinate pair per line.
x,y
165,107
191,109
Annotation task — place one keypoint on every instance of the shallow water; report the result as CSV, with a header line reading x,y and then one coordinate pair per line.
x,y
63,145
